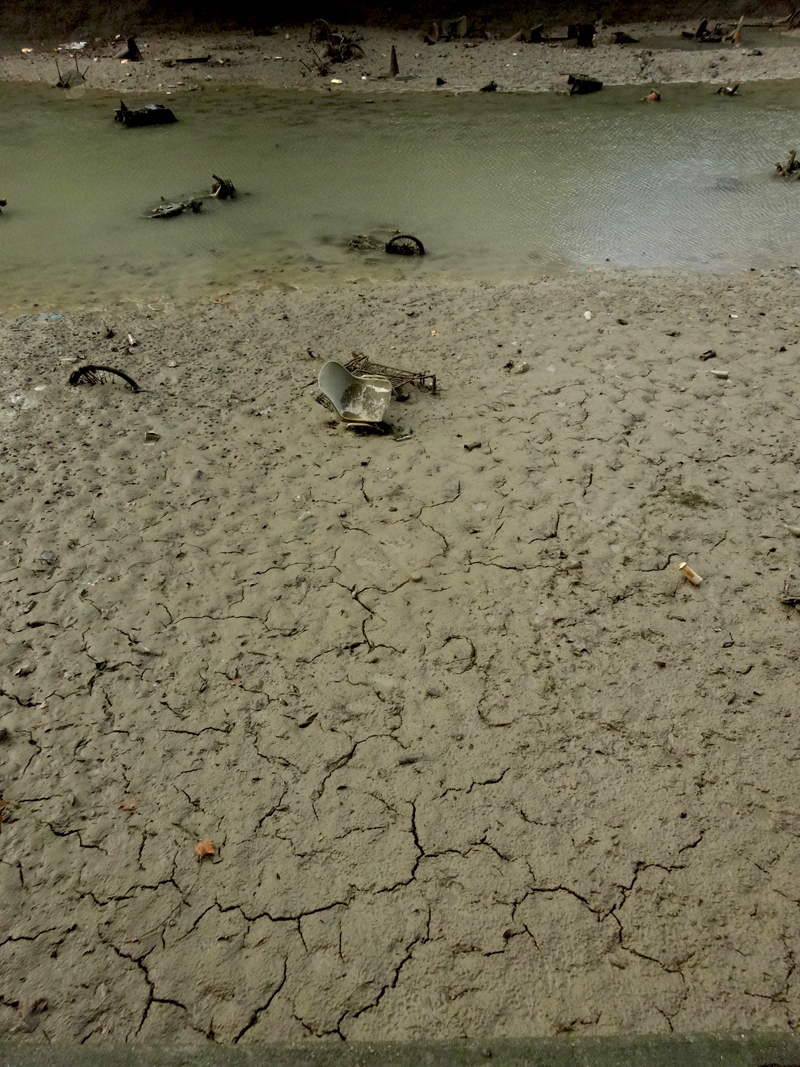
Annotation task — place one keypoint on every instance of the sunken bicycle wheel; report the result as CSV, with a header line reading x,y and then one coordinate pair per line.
x,y
91,375
320,31
350,50
405,245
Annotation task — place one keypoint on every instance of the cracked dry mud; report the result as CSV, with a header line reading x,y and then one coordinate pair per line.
x,y
475,758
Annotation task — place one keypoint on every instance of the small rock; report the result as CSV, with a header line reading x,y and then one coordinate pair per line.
x,y
587,315
151,435
523,368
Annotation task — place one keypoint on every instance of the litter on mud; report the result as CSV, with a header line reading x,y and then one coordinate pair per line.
x,y
339,392
355,398
93,375
70,78
789,596
690,575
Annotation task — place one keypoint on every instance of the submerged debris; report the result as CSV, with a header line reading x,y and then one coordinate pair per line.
x,y
702,33
789,169
365,242
405,245
169,209
223,188
579,86
150,115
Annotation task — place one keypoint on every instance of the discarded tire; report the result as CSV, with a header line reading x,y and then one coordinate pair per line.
x,y
405,245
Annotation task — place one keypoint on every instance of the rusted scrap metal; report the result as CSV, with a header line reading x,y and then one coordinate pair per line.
x,y
361,364
702,33
223,188
789,597
339,47
70,77
394,242
790,169
94,375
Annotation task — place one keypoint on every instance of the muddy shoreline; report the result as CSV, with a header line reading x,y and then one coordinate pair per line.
x,y
473,755
285,61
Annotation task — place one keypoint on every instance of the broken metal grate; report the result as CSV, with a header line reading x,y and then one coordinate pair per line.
x,y
361,364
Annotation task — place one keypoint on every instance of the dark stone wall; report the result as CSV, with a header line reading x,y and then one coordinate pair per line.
x,y
48,19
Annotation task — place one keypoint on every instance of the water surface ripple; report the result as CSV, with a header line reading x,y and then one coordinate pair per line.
x,y
497,186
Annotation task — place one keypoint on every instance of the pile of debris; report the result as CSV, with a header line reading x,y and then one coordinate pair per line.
x,y
455,30
335,47
221,189
704,34
583,33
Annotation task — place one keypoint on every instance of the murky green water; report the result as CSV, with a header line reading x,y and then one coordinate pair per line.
x,y
497,186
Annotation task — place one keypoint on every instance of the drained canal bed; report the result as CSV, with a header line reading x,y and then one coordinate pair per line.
x,y
497,186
